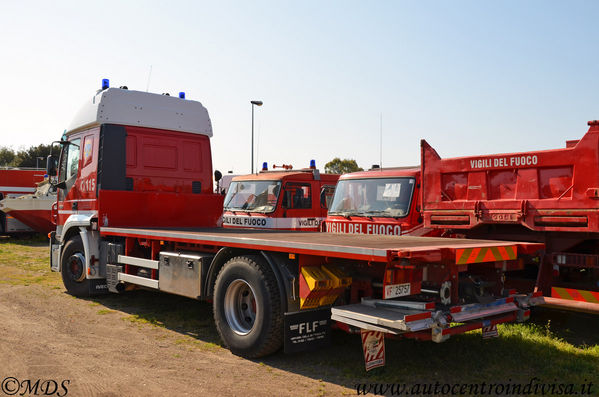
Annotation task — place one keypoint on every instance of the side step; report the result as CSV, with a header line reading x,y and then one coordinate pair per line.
x,y
115,274
143,281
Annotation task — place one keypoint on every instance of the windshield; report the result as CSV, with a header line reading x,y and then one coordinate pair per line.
x,y
254,196
384,197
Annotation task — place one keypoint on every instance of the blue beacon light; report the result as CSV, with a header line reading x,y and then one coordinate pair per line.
x,y
105,84
265,166
312,163
182,95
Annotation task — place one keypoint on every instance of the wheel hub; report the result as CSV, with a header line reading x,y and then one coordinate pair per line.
x,y
240,307
76,265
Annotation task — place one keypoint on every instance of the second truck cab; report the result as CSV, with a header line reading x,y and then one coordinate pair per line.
x,y
279,199
378,201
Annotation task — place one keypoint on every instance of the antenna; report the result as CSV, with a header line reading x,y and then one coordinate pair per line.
x,y
149,77
381,143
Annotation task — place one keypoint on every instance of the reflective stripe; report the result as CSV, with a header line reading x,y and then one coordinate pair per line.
x,y
264,222
486,254
575,294
69,212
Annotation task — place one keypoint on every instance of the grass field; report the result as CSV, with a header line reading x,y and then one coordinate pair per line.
x,y
553,347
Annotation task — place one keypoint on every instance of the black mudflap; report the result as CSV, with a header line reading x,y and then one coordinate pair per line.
x,y
307,330
98,286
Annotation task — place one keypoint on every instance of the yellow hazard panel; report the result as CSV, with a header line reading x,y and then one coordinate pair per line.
x,y
321,285
313,285
340,281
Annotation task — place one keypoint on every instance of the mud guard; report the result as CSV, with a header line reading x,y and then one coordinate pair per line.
x,y
307,330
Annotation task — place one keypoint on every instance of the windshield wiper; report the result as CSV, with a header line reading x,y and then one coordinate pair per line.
x,y
346,214
374,212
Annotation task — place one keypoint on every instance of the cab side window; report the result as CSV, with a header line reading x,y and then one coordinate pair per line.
x,y
297,196
73,159
69,166
326,196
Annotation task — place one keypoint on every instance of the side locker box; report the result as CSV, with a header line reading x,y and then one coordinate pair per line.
x,y
183,273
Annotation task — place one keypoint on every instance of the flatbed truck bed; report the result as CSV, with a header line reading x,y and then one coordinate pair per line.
x,y
422,320
363,247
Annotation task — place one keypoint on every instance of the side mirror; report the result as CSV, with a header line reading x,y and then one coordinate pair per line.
x,y
217,175
51,165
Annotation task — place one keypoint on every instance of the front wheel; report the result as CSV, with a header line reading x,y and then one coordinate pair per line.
x,y
247,307
73,268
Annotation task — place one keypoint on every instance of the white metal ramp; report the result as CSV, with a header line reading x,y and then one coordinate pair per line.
x,y
378,315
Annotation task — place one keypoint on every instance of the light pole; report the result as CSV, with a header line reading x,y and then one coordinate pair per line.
x,y
37,162
257,103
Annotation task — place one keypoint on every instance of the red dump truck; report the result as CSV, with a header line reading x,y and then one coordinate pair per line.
x,y
279,199
135,209
15,182
549,196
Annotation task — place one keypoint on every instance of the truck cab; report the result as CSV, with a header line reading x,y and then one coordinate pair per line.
x,y
128,158
279,199
378,201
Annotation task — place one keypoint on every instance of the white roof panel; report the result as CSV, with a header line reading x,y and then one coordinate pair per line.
x,y
143,109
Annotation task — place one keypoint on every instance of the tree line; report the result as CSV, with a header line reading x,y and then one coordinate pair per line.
x,y
32,157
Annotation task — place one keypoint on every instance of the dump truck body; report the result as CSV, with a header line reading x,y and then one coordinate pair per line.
x,y
548,196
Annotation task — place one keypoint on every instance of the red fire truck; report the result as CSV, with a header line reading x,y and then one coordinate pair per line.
x,y
15,182
135,209
379,201
279,199
545,196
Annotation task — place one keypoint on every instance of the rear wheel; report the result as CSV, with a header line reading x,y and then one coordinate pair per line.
x,y
247,307
73,268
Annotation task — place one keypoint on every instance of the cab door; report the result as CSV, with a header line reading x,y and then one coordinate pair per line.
x,y
297,203
68,173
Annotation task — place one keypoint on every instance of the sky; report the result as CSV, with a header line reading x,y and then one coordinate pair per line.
x,y
470,77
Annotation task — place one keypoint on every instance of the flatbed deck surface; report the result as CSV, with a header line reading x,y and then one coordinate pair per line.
x,y
341,245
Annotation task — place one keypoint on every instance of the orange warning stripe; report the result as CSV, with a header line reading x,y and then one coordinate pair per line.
x,y
486,254
575,294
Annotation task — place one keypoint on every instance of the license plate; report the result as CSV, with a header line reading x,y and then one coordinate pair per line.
x,y
396,290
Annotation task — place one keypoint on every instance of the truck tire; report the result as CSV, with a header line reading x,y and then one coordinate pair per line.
x,y
73,268
247,307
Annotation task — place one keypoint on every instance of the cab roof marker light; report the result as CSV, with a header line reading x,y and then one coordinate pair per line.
x,y
182,95
313,164
265,166
105,84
